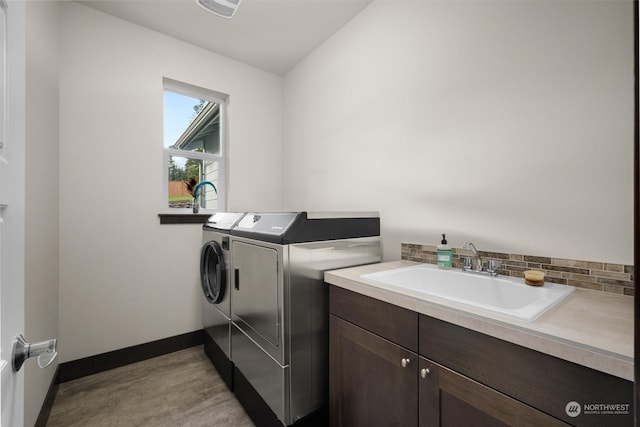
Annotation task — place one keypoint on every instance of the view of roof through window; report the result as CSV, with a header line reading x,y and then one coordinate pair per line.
x,y
188,120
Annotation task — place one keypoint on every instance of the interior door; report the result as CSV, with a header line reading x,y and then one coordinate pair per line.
x,y
12,182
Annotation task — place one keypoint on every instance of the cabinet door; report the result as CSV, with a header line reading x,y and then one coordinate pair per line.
x,y
372,382
450,399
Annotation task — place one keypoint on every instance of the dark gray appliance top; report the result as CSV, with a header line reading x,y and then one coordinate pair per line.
x,y
222,221
298,227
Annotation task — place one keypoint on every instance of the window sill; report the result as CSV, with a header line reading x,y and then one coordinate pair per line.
x,y
183,218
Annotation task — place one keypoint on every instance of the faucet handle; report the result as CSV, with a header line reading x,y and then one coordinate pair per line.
x,y
493,266
466,263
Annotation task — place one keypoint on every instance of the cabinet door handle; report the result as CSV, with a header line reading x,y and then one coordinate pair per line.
x,y
404,362
424,372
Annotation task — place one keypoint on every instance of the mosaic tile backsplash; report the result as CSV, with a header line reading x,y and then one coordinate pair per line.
x,y
599,276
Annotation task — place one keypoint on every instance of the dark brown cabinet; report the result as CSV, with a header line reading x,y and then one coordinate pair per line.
x,y
392,367
373,381
447,398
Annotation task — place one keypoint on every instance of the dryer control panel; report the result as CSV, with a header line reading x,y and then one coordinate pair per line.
x,y
273,223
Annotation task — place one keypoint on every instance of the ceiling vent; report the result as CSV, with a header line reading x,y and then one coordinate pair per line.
x,y
224,8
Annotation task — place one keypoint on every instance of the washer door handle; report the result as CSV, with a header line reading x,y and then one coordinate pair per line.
x,y
236,277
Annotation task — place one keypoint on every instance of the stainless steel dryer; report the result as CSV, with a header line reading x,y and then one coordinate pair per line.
x,y
216,291
279,305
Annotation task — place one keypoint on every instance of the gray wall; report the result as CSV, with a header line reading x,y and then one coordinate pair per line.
x,y
509,124
42,194
124,278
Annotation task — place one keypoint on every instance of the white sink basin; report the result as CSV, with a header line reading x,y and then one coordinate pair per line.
x,y
502,295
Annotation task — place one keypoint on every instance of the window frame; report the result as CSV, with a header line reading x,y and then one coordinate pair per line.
x,y
192,91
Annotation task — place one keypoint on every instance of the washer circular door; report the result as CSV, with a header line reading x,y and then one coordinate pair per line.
x,y
213,272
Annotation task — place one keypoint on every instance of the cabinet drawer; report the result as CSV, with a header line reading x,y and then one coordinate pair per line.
x,y
539,380
391,322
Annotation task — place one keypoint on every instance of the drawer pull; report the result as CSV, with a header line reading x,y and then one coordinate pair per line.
x,y
404,362
424,372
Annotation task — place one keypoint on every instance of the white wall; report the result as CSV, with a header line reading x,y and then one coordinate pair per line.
x,y
42,190
506,123
124,278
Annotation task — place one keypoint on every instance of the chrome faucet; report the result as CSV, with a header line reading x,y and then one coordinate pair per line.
x,y
467,260
492,265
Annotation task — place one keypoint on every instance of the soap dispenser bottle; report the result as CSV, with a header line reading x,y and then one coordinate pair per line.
x,y
444,254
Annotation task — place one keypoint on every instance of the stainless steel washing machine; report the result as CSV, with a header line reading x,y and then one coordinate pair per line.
x,y
215,280
279,305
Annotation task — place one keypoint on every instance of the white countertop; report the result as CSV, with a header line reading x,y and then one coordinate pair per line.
x,y
590,328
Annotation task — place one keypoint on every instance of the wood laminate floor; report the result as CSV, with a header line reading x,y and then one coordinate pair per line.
x,y
177,389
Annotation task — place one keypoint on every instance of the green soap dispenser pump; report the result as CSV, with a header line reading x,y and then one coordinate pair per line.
x,y
444,254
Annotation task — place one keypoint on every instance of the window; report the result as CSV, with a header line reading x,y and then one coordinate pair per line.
x,y
194,149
